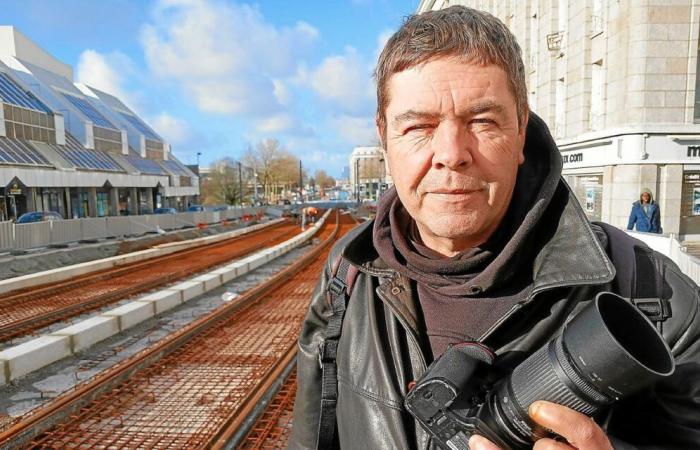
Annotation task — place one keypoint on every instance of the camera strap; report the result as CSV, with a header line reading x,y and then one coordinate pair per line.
x,y
338,292
638,276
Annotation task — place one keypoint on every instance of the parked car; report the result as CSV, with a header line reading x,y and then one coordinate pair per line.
x,y
165,211
195,208
39,216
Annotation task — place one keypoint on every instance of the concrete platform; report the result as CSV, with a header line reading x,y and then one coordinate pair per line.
x,y
163,300
30,356
89,331
131,314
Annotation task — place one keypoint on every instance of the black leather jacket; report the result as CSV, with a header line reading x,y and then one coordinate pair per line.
x,y
383,346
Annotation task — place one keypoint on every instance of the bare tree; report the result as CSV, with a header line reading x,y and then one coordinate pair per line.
x,y
223,184
276,168
323,180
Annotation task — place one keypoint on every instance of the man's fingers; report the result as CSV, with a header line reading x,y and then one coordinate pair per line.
x,y
579,430
550,444
477,442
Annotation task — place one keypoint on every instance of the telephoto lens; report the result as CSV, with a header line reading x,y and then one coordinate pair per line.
x,y
608,351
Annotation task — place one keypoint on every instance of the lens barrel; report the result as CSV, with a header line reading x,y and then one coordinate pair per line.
x,y
608,351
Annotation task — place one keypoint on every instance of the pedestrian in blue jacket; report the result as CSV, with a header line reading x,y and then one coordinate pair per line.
x,y
646,214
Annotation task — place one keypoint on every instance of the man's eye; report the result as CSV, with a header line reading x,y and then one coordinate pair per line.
x,y
419,128
482,120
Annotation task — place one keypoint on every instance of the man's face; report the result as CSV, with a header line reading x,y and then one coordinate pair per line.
x,y
453,147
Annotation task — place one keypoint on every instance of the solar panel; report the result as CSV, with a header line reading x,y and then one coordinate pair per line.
x,y
72,142
83,158
140,126
145,165
17,152
175,168
89,111
10,92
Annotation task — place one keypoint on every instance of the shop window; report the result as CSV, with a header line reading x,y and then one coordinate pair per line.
x,y
588,189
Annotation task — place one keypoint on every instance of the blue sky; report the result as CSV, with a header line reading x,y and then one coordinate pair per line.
x,y
214,75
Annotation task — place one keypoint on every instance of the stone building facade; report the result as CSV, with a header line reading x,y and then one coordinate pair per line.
x,y
616,82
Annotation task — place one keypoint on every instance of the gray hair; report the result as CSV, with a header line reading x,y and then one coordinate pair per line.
x,y
457,31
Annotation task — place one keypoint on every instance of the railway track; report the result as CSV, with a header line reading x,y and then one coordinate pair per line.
x,y
24,312
274,426
195,388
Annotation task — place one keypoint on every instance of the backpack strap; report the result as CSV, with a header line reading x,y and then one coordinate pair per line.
x,y
638,275
338,293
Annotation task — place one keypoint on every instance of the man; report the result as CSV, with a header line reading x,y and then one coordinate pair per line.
x,y
480,240
645,214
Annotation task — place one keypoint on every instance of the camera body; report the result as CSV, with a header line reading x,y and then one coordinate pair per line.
x,y
606,352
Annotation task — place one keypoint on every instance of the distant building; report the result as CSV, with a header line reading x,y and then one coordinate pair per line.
x,y
368,176
616,82
73,149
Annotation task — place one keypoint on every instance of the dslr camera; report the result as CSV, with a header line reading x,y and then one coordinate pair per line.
x,y
606,352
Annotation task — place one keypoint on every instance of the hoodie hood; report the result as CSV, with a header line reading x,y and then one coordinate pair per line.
x,y
645,191
507,254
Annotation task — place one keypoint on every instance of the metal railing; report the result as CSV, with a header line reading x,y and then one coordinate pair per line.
x,y
15,236
669,245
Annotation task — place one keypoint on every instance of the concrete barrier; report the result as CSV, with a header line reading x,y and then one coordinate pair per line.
x,y
163,300
35,354
210,281
89,331
131,314
189,289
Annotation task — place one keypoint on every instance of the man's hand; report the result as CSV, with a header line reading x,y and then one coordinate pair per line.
x,y
580,431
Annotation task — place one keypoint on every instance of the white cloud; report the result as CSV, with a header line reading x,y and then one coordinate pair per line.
x,y
282,92
225,56
283,122
174,130
344,80
382,39
357,130
105,72
276,123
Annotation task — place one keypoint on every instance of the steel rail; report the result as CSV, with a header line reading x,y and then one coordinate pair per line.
x,y
55,312
273,427
71,402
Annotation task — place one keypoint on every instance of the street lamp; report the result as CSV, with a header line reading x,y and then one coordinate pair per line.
x,y
357,179
199,180
255,187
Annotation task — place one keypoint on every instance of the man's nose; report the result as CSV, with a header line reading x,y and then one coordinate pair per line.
x,y
453,147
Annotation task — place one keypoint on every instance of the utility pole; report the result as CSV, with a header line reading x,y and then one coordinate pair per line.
x,y
199,180
357,179
240,185
301,184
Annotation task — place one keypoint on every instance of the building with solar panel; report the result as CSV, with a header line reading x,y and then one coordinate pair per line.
x,y
70,148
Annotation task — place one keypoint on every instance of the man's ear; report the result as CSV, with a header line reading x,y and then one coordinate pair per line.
x,y
380,132
521,137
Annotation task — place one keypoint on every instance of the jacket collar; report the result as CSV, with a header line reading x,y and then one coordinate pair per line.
x,y
572,257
